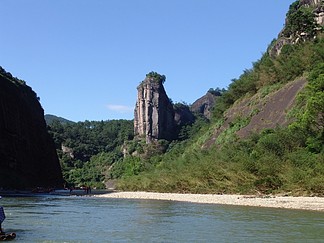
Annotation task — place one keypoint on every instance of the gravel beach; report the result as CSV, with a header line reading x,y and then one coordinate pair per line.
x,y
303,203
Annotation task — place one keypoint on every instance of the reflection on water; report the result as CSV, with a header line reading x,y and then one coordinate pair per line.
x,y
86,219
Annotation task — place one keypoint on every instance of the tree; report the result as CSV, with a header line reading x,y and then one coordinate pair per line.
x,y
157,77
301,22
310,110
217,92
94,146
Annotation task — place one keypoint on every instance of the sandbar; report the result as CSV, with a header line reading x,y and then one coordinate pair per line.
x,y
287,202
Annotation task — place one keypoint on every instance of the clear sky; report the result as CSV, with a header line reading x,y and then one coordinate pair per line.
x,y
85,58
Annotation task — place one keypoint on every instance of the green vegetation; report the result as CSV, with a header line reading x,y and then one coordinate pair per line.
x,y
310,110
278,160
217,91
284,159
18,82
293,62
9,76
301,22
157,77
87,149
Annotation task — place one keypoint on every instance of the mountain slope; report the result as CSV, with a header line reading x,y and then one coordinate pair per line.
x,y
259,112
266,131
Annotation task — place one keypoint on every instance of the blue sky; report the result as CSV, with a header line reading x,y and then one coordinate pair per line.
x,y
85,58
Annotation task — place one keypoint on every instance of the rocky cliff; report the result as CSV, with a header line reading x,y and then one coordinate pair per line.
x,y
183,115
27,153
304,20
204,105
154,114
261,112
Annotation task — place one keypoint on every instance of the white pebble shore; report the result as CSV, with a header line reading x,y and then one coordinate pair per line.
x,y
304,203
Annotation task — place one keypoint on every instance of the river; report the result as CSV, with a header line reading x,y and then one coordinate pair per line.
x,y
89,219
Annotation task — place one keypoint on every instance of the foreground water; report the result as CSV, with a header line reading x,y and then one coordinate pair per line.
x,y
89,219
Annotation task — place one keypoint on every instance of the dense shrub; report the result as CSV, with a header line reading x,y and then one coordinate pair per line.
x,y
93,147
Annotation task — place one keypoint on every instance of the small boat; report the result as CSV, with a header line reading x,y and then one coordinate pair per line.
x,y
7,237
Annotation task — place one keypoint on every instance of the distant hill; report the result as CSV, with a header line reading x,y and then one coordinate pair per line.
x,y
50,118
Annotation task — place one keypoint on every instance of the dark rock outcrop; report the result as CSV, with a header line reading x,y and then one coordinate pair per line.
x,y
183,115
204,105
27,153
273,111
262,112
154,114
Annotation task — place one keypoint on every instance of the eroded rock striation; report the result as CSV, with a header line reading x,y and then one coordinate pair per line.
x,y
27,153
156,117
154,114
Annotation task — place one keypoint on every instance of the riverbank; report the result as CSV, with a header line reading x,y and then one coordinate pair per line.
x,y
53,192
288,202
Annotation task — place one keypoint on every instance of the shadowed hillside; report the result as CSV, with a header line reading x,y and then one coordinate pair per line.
x,y
27,153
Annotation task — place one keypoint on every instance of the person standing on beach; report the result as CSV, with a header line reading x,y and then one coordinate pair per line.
x,y
2,218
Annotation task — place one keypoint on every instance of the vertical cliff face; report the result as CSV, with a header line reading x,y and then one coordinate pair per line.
x,y
154,115
27,153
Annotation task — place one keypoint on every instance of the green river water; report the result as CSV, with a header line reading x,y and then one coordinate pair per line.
x,y
89,219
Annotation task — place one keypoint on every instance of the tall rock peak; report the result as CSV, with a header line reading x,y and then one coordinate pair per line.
x,y
154,114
